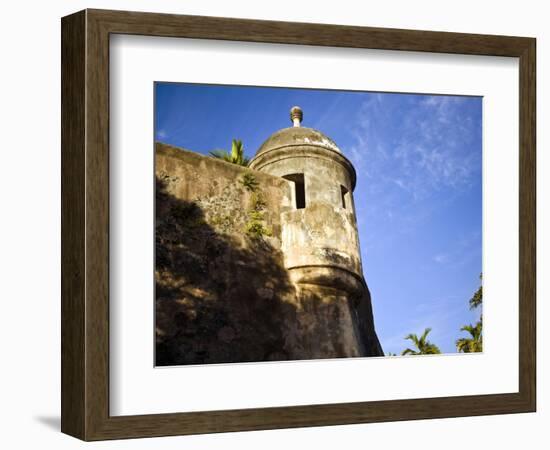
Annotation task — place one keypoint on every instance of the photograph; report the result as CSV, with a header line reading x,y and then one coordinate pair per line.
x,y
306,224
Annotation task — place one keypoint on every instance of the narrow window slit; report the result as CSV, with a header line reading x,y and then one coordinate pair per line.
x,y
345,197
299,189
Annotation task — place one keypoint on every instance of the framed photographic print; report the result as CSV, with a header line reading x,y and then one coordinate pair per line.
x,y
271,224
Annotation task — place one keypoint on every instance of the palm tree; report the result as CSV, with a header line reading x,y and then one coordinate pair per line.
x,y
474,343
235,157
424,347
477,298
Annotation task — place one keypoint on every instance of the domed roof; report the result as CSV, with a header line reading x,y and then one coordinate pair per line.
x,y
297,135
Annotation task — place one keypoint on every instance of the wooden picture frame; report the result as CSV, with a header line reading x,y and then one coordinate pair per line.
x,y
85,224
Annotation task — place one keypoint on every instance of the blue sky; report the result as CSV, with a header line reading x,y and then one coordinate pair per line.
x,y
418,195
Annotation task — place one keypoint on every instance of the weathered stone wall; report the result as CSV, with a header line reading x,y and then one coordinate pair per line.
x,y
322,235
222,192
326,170
222,291
220,281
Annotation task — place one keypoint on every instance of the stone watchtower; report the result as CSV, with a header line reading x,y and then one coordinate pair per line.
x,y
320,241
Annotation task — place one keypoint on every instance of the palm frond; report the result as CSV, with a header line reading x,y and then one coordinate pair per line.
x,y
469,328
431,349
409,351
221,154
424,346
463,345
235,156
425,334
477,298
414,338
474,343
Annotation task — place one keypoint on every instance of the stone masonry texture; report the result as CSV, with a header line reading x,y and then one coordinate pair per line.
x,y
242,275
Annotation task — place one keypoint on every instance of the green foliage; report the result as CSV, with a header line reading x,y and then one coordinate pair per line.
x,y
222,222
255,226
471,344
257,229
423,346
258,202
477,298
236,156
474,343
256,217
249,182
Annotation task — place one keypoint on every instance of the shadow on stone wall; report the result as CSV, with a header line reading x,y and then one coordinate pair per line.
x,y
332,324
365,325
224,296
219,297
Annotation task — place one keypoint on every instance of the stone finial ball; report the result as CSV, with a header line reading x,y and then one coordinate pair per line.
x,y
296,113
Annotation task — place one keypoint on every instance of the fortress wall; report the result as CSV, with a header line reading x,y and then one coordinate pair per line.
x,y
222,291
221,288
218,187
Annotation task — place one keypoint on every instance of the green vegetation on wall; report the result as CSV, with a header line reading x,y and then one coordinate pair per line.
x,y
255,225
249,182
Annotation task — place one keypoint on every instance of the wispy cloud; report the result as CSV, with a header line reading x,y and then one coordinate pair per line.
x,y
414,156
431,148
441,258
